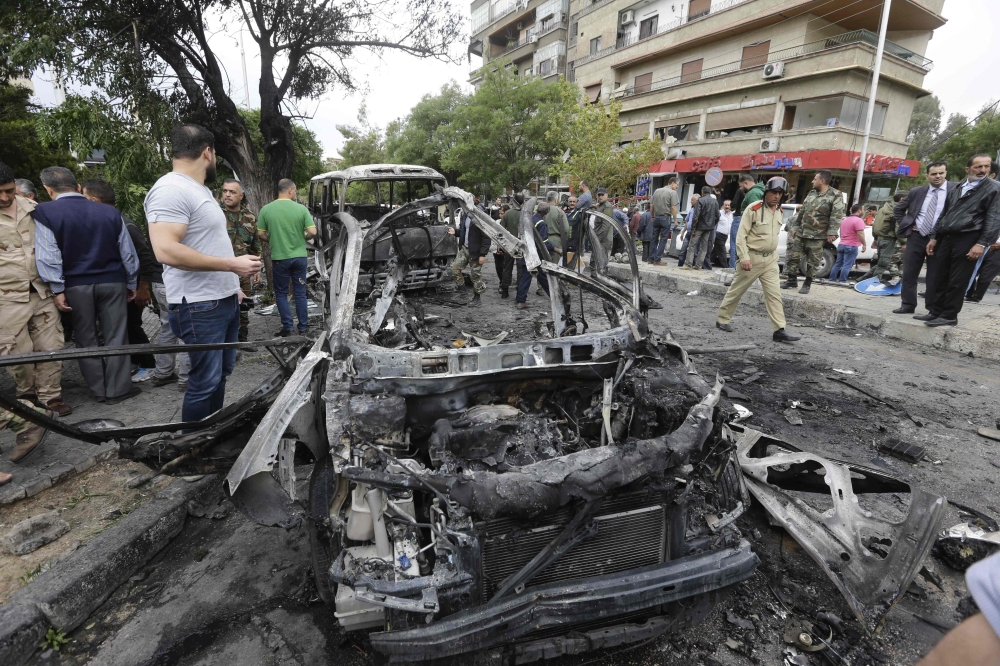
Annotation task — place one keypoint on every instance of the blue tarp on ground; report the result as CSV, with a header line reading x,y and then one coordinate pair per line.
x,y
872,287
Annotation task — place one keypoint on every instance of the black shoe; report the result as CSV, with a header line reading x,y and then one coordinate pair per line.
x,y
781,336
791,283
283,334
475,300
724,327
925,317
163,381
941,321
904,310
805,287
134,391
504,292
243,336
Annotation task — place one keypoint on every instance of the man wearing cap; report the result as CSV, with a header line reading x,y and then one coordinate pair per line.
x,y
757,254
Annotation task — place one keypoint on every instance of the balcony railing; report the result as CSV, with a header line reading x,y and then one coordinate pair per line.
x,y
828,44
660,29
496,12
534,72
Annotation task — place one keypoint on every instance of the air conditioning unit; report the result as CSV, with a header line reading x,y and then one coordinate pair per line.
x,y
774,70
628,17
768,145
532,38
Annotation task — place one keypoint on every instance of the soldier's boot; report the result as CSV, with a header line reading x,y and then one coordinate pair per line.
x,y
805,286
791,282
475,300
885,278
244,335
504,292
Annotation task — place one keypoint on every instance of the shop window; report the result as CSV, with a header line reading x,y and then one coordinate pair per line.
x,y
691,71
647,28
643,83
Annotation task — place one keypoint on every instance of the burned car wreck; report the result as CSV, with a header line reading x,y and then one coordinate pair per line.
x,y
522,499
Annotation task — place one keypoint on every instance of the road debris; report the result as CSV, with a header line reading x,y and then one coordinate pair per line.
x,y
990,433
898,449
32,533
792,417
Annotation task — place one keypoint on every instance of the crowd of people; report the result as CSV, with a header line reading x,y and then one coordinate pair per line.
x,y
77,265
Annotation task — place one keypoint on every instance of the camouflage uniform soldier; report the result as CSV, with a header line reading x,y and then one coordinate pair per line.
x,y
605,232
818,220
29,319
242,227
890,245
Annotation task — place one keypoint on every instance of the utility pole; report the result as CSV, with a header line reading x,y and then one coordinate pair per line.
x,y
883,28
243,59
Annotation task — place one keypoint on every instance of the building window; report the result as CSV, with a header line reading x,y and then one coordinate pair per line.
x,y
840,111
672,133
595,45
699,8
574,28
691,71
643,83
755,54
571,72
648,27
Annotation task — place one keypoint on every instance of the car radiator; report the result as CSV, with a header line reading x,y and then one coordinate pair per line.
x,y
631,533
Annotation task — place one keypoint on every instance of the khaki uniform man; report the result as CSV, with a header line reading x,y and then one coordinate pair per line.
x,y
242,227
817,221
29,320
757,259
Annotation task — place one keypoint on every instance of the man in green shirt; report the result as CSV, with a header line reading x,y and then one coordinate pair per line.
x,y
286,224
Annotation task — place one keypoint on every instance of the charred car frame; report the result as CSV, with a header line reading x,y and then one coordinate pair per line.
x,y
524,499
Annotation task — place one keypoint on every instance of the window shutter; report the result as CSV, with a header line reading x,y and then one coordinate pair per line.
x,y
643,83
691,71
755,54
751,117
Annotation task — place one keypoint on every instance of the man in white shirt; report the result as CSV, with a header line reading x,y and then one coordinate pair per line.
x,y
720,256
187,229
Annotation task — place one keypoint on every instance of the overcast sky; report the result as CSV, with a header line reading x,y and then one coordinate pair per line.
x,y
966,67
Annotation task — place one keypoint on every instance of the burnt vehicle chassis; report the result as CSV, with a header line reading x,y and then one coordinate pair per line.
x,y
520,500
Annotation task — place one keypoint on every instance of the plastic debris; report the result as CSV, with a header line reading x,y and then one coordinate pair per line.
x,y
792,417
742,413
899,449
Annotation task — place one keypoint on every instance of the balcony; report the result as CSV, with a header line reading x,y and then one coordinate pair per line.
x,y
906,15
495,12
857,37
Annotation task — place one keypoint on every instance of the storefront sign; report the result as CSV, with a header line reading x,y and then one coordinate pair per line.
x,y
771,161
806,160
881,164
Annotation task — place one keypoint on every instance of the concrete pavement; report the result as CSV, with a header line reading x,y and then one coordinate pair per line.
x,y
978,330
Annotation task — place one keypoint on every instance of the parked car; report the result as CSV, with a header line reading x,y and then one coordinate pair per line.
x,y
829,249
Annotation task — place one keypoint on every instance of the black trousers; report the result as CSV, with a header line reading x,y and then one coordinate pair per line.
x,y
646,249
913,261
949,272
137,336
989,269
720,255
504,263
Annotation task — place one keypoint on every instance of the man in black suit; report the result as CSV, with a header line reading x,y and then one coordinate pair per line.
x,y
916,217
967,227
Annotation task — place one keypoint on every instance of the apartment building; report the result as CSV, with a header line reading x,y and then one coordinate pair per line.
x,y
531,34
766,86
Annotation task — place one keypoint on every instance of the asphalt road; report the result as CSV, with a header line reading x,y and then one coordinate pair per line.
x,y
229,591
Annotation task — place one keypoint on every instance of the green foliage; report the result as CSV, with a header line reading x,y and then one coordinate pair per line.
x,y
308,150
982,136
364,143
592,137
425,133
21,148
54,640
135,151
924,125
510,132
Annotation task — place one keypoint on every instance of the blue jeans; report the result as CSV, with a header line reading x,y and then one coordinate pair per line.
x,y
661,234
206,322
293,270
846,255
732,240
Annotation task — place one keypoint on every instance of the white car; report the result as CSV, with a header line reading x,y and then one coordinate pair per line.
x,y
829,251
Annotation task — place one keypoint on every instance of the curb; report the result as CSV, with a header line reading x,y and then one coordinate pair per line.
x,y
58,473
978,343
66,595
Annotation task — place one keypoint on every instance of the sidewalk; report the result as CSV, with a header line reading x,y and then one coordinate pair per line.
x,y
978,330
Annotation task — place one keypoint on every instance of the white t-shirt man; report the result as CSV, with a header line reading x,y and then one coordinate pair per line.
x,y
180,199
